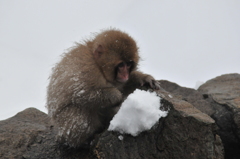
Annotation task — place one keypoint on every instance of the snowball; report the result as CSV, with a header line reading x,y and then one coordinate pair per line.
x,y
139,112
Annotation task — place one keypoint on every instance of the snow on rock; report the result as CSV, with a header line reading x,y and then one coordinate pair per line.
x,y
139,112
120,137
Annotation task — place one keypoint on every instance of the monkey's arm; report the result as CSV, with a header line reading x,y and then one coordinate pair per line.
x,y
104,97
138,79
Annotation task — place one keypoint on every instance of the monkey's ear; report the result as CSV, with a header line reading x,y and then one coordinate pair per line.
x,y
98,52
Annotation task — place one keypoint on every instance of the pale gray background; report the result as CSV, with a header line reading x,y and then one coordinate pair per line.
x,y
181,41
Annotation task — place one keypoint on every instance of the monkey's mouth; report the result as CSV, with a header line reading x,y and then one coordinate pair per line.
x,y
122,78
123,71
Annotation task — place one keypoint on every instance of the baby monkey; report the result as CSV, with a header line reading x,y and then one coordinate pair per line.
x,y
89,84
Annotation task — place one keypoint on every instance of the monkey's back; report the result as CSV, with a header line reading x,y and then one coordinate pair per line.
x,y
68,95
70,79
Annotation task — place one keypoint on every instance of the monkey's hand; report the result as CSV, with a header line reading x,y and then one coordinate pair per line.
x,y
144,80
111,96
149,81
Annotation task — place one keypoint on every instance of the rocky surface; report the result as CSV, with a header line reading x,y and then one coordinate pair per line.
x,y
184,133
27,135
224,94
199,123
219,98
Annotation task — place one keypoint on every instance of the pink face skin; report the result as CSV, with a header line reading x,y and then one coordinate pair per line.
x,y
123,70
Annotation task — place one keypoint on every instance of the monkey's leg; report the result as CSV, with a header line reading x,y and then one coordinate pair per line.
x,y
75,126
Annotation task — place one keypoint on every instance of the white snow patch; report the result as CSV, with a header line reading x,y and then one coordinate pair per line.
x,y
120,137
81,92
75,79
139,112
68,131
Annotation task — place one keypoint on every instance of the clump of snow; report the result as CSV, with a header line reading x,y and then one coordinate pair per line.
x,y
139,112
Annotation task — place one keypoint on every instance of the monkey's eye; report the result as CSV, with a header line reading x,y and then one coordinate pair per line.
x,y
129,63
122,64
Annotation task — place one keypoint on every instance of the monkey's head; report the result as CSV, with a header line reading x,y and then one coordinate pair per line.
x,y
116,54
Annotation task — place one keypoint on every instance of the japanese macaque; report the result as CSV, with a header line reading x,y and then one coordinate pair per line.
x,y
89,84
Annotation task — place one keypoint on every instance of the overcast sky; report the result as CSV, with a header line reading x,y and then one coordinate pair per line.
x,y
180,41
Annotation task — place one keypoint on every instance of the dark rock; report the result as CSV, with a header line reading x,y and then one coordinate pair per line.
x,y
190,95
225,92
185,133
27,135
224,89
219,98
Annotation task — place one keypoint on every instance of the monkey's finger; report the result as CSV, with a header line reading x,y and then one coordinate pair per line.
x,y
156,85
141,83
151,84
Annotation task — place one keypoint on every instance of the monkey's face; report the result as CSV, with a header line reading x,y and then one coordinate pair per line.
x,y
115,65
123,70
116,54
115,69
